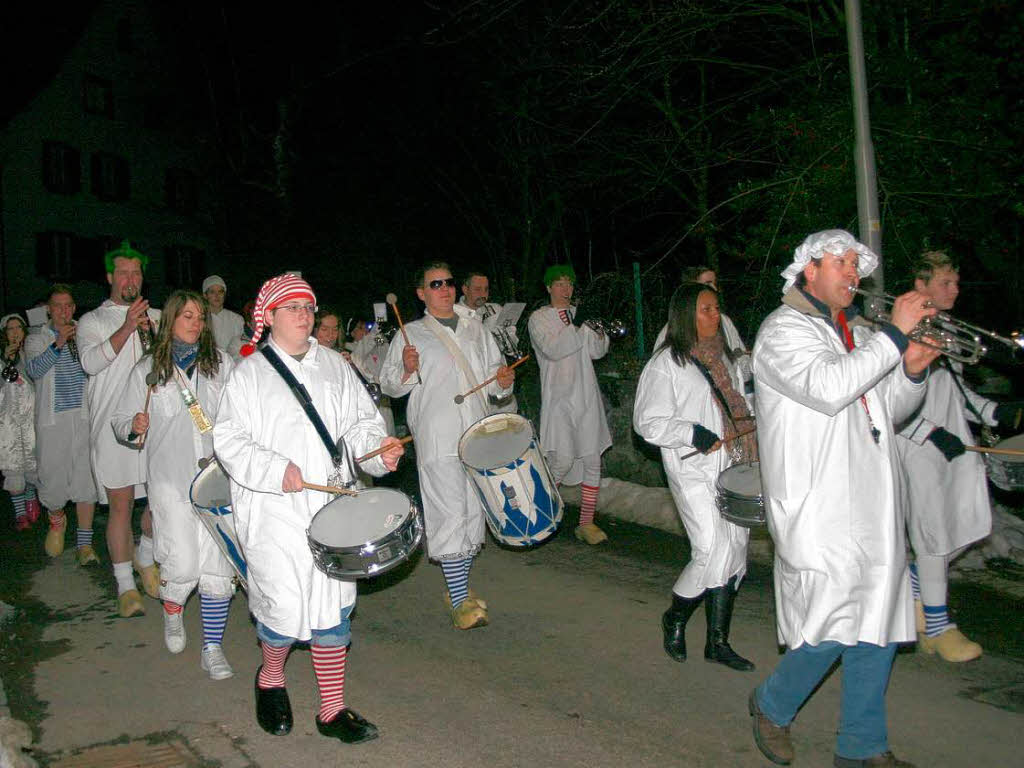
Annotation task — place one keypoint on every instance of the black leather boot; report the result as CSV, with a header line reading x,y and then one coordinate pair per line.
x,y
673,625
718,608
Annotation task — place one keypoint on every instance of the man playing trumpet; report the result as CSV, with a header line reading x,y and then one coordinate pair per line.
x,y
111,340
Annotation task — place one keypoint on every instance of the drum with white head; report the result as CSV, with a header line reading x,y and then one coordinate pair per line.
x,y
210,495
739,495
1007,472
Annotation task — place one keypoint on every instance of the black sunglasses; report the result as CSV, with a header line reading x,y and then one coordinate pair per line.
x,y
436,284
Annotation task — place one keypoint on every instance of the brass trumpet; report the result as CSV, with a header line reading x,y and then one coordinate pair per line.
x,y
956,339
613,329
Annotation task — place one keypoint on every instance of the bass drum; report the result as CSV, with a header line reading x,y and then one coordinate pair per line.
x,y
210,495
1007,472
521,502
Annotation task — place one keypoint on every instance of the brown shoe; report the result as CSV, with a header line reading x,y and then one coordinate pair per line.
x,y
591,534
86,555
129,604
952,645
54,544
884,760
150,575
469,615
472,596
773,740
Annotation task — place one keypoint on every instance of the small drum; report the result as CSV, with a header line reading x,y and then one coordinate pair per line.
x,y
210,495
354,537
521,502
739,495
1007,472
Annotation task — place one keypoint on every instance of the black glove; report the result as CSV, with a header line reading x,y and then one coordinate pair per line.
x,y
580,317
1008,415
948,444
703,438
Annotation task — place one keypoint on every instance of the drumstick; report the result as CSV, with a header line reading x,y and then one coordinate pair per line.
x,y
734,437
460,399
393,301
329,489
998,451
382,449
151,379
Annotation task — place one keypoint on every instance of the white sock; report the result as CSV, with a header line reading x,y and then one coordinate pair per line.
x,y
123,576
144,552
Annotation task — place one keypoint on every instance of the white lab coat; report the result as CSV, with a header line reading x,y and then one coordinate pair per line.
x,y
733,341
187,553
572,418
226,327
114,464
949,504
488,315
260,428
452,511
836,501
368,356
670,401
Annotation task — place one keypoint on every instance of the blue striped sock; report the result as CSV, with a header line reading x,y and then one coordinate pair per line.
x,y
915,584
456,576
214,611
18,500
30,492
83,536
936,620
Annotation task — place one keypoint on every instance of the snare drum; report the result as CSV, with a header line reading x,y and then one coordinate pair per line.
x,y
1007,472
354,537
210,495
739,495
521,502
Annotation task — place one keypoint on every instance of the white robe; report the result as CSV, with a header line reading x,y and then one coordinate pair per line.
x,y
368,356
186,551
226,327
670,401
836,501
572,417
452,510
260,428
17,434
734,342
114,464
949,504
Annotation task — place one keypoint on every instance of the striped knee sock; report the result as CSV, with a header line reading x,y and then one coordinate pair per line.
x,y
18,500
56,518
83,536
30,492
589,503
936,620
172,608
214,611
915,582
329,667
456,576
272,672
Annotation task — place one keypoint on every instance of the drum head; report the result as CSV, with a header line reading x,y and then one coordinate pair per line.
x,y
352,521
741,480
211,489
495,441
1015,443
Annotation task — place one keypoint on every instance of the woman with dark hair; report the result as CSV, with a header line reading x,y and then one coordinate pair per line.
x,y
188,373
689,397
327,328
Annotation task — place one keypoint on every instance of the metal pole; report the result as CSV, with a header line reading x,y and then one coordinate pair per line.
x,y
864,152
638,297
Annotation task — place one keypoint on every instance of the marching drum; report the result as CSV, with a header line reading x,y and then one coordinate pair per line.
x,y
210,495
739,495
1007,472
521,502
354,537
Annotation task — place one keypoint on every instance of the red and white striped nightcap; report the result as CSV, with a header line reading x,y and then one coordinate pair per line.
x,y
274,293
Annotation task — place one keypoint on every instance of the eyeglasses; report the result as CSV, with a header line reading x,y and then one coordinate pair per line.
x,y
448,282
297,308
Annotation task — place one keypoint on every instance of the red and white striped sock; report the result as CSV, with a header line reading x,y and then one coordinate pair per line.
x,y
329,667
172,608
589,503
272,672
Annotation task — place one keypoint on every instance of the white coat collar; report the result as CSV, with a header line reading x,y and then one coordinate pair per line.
x,y
311,356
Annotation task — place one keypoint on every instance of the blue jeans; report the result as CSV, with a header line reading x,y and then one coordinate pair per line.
x,y
866,668
337,636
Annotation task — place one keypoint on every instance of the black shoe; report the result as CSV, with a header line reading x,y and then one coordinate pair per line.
x,y
673,625
348,726
273,709
719,614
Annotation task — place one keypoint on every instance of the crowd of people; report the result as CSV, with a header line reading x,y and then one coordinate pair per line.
x,y
859,429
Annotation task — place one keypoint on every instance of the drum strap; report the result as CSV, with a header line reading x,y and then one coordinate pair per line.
x,y
460,359
714,388
304,400
944,362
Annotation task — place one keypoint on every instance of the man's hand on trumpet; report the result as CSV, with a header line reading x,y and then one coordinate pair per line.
x,y
506,377
918,357
910,309
64,333
136,315
392,454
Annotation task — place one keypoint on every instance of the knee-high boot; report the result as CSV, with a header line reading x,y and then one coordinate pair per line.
x,y
719,612
673,624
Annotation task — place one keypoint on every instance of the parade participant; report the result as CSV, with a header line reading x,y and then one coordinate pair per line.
x,y
327,328
17,435
949,504
189,373
368,357
476,290
62,426
225,324
573,427
828,392
269,446
448,353
688,397
111,340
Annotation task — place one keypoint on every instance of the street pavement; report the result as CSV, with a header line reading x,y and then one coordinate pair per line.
x,y
569,673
